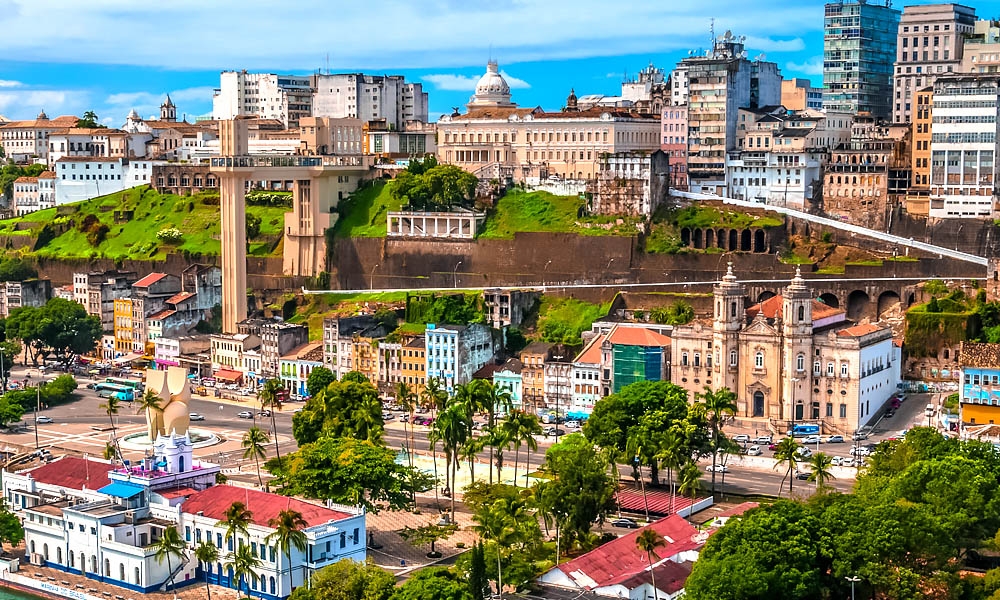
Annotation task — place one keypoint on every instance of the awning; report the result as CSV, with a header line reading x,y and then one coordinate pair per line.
x,y
227,375
121,489
95,371
128,357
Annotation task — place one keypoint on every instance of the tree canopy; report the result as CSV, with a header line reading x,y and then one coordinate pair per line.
x,y
347,408
440,187
581,491
318,379
434,583
60,328
348,580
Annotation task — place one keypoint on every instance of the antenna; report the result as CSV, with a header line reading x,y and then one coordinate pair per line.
x,y
711,30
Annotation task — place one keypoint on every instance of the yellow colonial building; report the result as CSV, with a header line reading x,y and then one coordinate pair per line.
x,y
124,326
790,358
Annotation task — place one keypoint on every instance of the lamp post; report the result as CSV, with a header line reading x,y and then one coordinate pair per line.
x,y
371,277
546,268
38,402
455,275
853,579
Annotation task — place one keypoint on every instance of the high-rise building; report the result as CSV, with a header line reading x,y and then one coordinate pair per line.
x,y
719,84
799,94
859,46
981,53
369,98
917,197
929,43
285,98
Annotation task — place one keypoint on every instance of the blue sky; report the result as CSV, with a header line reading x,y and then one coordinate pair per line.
x,y
114,55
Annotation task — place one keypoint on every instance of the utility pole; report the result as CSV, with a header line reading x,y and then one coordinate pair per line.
x,y
38,402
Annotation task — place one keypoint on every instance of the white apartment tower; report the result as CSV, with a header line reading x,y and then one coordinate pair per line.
x,y
368,98
964,146
285,98
930,42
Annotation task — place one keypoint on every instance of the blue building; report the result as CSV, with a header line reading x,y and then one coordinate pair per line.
x,y
455,352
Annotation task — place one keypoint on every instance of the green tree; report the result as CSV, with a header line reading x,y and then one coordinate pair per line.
x,y
439,188
111,407
254,445
488,398
170,544
10,411
407,400
244,564
349,471
478,583
821,464
288,534
271,397
428,534
61,327
347,579
11,529
89,121
236,521
787,453
678,313
346,408
719,405
435,583
252,225
207,554
935,288
318,379
522,427
581,489
452,427
689,480
16,269
648,541
494,523
149,404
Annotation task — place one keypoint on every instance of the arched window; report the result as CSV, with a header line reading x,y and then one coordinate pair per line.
x,y
758,360
844,369
121,571
32,546
732,358
816,368
802,313
829,369
272,585
800,363
45,551
138,579
59,555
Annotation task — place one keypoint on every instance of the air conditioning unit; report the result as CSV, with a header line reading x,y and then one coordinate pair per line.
x,y
37,559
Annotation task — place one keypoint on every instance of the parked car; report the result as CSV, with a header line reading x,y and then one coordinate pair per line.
x,y
388,416
741,438
196,417
402,417
625,522
803,452
245,414
43,419
835,439
772,446
860,451
753,451
811,439
91,386
763,439
717,468
859,436
803,475
554,431
572,424
264,413
836,461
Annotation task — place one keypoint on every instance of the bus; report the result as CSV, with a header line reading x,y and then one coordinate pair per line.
x,y
804,429
129,383
123,393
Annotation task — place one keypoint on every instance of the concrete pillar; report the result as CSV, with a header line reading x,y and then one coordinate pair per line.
x,y
234,250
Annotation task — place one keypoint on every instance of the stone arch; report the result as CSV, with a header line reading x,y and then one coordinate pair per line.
x,y
709,238
830,300
720,238
734,240
746,243
699,241
685,236
859,305
759,241
887,301
765,295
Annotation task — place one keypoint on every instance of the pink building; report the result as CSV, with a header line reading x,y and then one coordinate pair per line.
x,y
674,126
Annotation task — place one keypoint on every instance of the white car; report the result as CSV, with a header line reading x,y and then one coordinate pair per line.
x,y
836,461
764,439
811,439
860,451
196,417
754,451
43,419
741,438
718,468
847,462
835,439
803,452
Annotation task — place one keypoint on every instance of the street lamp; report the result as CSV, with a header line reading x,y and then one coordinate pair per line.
x,y
853,579
455,275
371,277
543,272
609,264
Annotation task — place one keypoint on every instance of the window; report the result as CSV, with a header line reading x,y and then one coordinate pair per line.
x,y
844,369
732,358
758,360
800,363
802,313
829,369
829,409
684,359
697,359
843,411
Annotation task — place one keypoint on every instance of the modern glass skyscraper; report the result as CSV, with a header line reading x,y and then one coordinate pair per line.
x,y
859,48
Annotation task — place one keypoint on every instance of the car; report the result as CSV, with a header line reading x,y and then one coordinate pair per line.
x,y
835,439
802,475
625,522
811,439
859,436
554,431
43,419
860,451
245,414
232,387
929,410
717,468
836,461
901,396
264,413
803,452
772,446
763,439
388,416
572,424
91,386
196,417
753,451
403,417
741,438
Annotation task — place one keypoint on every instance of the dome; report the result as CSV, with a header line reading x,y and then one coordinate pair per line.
x,y
42,116
492,82
132,115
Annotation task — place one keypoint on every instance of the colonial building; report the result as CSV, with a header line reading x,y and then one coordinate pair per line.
x,y
918,196
24,141
630,183
980,384
789,359
455,352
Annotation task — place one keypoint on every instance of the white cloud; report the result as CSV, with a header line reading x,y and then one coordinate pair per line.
x,y
772,45
813,66
449,33
26,104
7,83
467,83
514,82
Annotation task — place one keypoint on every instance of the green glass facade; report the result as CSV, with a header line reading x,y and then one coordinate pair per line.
x,y
859,48
636,363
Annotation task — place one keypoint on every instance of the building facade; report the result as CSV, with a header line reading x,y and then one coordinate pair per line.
x,y
286,98
368,98
799,94
632,183
979,397
455,352
674,143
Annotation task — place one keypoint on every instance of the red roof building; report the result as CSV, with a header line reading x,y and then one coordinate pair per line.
x,y
214,501
73,473
149,280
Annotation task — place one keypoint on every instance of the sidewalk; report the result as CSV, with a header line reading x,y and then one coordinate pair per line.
x,y
400,556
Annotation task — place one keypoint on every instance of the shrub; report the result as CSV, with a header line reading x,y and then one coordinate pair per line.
x,y
170,236
98,234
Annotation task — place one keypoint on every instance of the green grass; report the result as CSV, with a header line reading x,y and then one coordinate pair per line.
x,y
864,263
564,319
136,239
521,211
795,259
321,306
364,213
902,258
700,216
834,270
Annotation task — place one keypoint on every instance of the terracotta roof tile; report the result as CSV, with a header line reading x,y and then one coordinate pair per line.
x,y
149,279
637,336
178,298
979,355
592,353
859,330
670,577
772,308
73,472
213,502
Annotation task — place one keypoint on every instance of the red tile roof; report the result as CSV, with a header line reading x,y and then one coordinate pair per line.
x,y
163,314
214,501
670,577
737,510
74,472
180,492
772,308
637,336
149,279
592,353
620,559
859,330
178,298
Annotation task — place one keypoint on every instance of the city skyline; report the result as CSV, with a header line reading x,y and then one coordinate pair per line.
x,y
544,49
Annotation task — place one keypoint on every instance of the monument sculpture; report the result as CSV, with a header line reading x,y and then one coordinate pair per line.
x,y
171,387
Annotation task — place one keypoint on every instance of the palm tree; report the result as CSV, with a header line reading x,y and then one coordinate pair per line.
x,y
270,397
786,453
111,406
367,418
255,441
109,452
718,405
633,448
689,479
407,400
522,427
169,544
673,453
237,520
243,563
452,427
206,553
498,439
470,450
288,534
820,463
492,399
648,541
434,395
149,403
495,523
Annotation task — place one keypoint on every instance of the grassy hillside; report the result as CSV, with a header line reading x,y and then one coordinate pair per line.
x,y
197,217
364,213
564,319
521,211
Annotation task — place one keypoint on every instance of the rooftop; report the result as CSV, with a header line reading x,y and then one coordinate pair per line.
x,y
312,351
979,355
181,297
213,502
859,330
773,306
592,352
149,279
637,336
74,472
